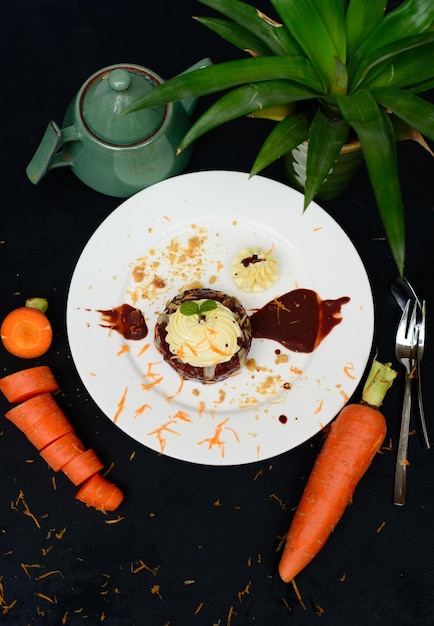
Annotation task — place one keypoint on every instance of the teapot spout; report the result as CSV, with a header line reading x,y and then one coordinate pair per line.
x,y
190,103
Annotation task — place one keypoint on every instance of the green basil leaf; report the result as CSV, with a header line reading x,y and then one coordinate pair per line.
x,y
207,305
189,308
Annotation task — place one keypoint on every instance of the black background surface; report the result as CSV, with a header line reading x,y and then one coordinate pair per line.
x,y
194,545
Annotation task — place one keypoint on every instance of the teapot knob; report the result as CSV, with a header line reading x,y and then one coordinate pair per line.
x,y
119,79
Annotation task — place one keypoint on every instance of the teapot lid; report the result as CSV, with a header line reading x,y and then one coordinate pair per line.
x,y
108,93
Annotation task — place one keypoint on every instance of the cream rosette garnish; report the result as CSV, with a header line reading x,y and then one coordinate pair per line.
x,y
255,269
203,333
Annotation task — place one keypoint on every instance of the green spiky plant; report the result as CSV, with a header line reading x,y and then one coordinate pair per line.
x,y
324,70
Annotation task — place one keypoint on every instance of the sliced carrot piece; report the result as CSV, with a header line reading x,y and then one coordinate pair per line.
x,y
62,451
27,383
100,494
48,429
27,413
26,332
82,467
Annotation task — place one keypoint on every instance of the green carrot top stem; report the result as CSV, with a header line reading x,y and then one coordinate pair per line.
x,y
379,380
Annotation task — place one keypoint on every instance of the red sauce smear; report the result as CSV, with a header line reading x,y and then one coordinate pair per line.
x,y
126,320
299,320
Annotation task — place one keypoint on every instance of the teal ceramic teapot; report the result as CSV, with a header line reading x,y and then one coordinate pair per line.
x,y
114,154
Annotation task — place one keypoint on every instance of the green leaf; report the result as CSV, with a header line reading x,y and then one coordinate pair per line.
x,y
189,308
326,138
274,35
406,68
412,17
207,305
333,16
243,101
415,111
421,86
284,137
229,74
236,35
305,22
362,18
399,63
375,133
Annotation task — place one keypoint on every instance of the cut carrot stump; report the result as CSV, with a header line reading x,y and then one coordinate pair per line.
x,y
26,332
62,451
82,467
24,415
28,383
100,494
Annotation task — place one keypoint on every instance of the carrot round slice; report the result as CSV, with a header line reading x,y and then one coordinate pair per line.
x,y
100,494
27,413
63,450
27,383
82,467
26,332
48,429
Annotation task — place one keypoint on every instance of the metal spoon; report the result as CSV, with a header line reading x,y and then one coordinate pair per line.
x,y
403,291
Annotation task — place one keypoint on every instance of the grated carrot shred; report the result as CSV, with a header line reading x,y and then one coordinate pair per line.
x,y
45,597
50,573
281,504
140,565
26,509
142,409
143,349
245,591
230,614
199,608
381,526
348,369
319,407
178,391
114,521
156,591
121,405
298,594
215,439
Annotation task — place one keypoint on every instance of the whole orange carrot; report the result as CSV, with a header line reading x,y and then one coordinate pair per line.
x,y
354,438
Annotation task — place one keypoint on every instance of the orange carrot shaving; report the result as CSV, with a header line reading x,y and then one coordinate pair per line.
x,y
348,371
26,332
354,438
319,407
121,405
27,383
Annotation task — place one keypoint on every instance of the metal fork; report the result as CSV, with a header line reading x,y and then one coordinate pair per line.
x,y
405,350
402,290
421,326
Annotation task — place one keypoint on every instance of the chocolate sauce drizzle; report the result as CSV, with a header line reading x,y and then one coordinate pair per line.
x,y
299,319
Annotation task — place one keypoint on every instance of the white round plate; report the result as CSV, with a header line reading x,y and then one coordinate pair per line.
x,y
182,233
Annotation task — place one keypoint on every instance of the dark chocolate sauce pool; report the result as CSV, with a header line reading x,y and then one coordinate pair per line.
x,y
299,320
126,320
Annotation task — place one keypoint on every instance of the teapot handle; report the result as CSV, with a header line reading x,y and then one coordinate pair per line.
x,y
47,155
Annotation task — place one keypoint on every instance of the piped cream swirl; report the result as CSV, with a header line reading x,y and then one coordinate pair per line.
x,y
204,340
255,269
